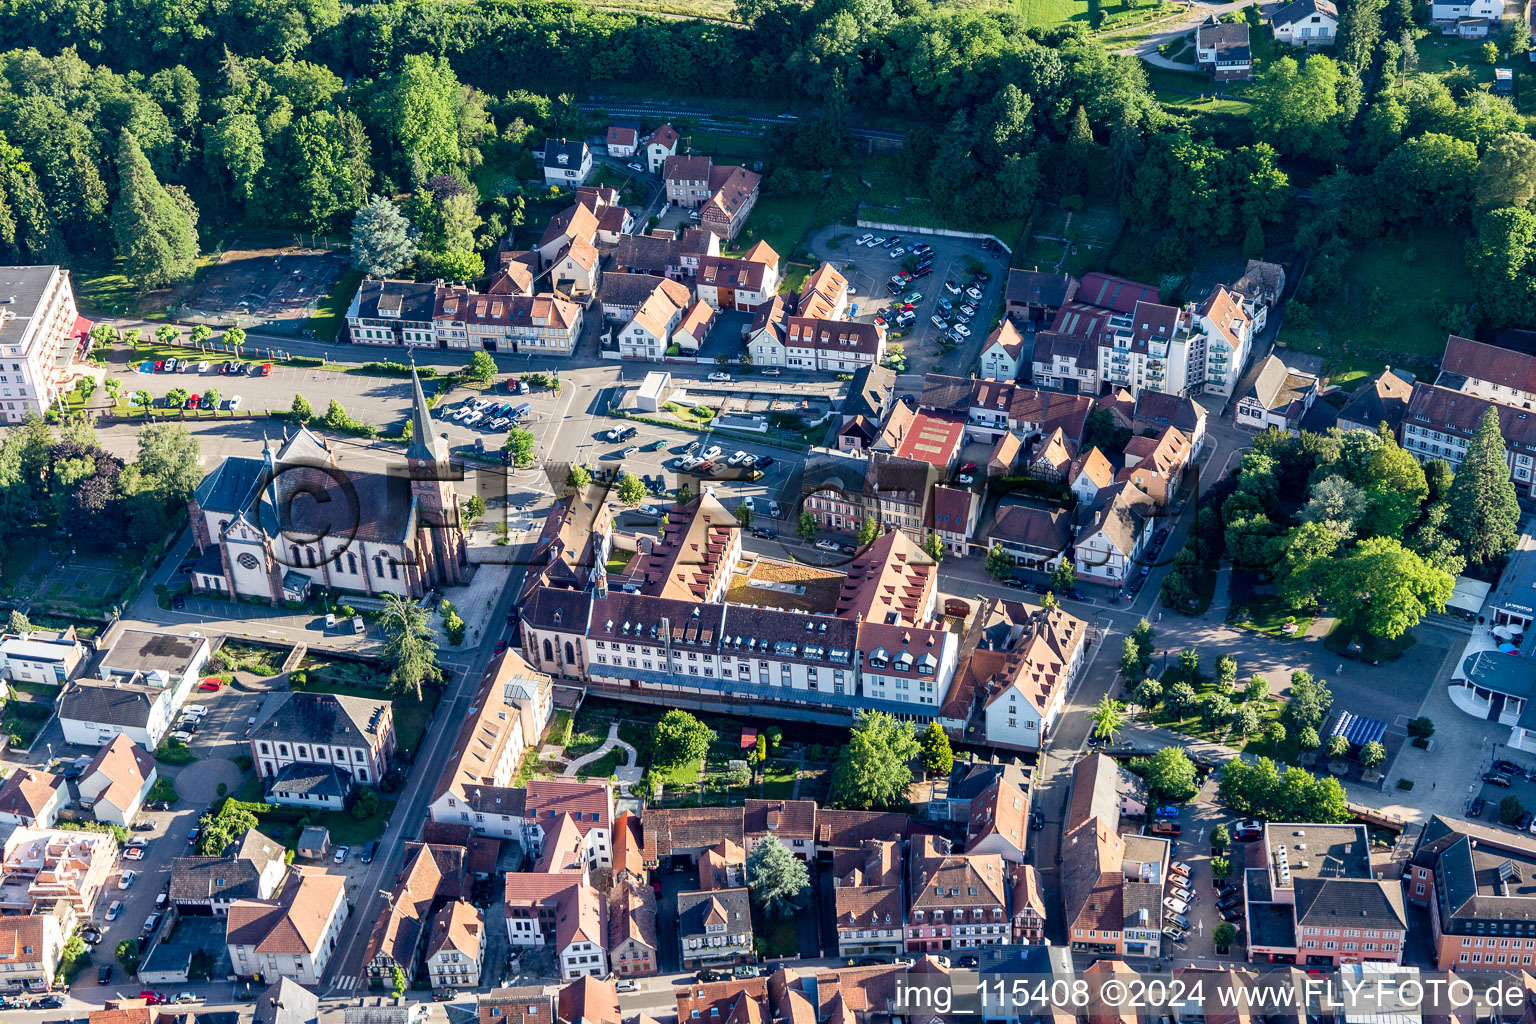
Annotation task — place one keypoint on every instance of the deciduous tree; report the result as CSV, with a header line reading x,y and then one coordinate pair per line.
x,y
874,768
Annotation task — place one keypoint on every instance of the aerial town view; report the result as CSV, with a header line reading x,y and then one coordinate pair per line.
x,y
767,512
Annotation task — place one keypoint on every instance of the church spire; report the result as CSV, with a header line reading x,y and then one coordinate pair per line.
x,y
424,445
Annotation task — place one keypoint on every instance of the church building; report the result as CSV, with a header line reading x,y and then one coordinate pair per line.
x,y
273,528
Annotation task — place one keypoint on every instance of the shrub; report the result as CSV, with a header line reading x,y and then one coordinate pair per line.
x,y
398,370
305,361
366,806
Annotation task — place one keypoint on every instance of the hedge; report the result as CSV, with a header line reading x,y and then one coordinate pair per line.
x,y
398,370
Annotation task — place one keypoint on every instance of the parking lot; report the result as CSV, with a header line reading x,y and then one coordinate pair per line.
x,y
1519,768
955,260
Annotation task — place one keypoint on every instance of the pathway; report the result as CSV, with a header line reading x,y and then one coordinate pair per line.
x,y
572,769
1146,48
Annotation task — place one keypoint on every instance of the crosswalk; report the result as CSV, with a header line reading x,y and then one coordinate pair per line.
x,y
347,983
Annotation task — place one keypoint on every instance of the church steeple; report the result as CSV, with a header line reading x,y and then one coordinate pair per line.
x,y
425,446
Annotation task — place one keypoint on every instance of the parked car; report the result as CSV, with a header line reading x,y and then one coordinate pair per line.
x,y
973,293
712,452
1037,821
103,974
1524,823
1247,830
133,853
1166,828
1475,809
720,376
151,923
1167,811
1015,583
635,166
125,880
341,854
863,239
209,685
962,330
1506,767
774,371
939,322
1495,779
115,909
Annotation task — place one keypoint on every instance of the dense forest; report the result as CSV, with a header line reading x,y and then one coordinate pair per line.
x,y
129,126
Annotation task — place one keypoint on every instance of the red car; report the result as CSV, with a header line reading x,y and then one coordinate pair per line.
x,y
192,402
501,645
159,365
152,998
210,684
266,369
969,467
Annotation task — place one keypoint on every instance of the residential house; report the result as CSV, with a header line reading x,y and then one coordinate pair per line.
x,y
622,140
1276,396
777,338
691,332
208,886
31,796
292,936
723,866
1310,894
393,313
1068,361
589,806
743,283
42,867
116,783
1034,297
1004,353
735,1001
1488,371
613,218
1154,412
834,485
694,558
969,777
560,911
901,487
1474,879
622,293
1027,904
588,1001
952,516
318,786
547,323
507,716
1018,662
1090,473
577,272
1112,884
1052,457
455,951
734,192
1036,538
1004,460
867,899
41,339
1452,17
792,822
529,1005
1155,465
927,439
1222,48
40,656
1262,284
285,1001
144,678
958,901
714,928
1306,23
723,196
632,942
1115,534
31,947
575,225
1380,398
1440,422
999,821
869,399
432,880
661,144
680,836
990,409
352,734
648,334
567,162
664,254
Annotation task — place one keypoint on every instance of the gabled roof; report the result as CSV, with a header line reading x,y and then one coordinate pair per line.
x,y
588,1001
671,829
728,906
1300,10
787,819
295,923
1039,288
1093,465
1109,292
889,581
28,791
527,1005
687,560
287,1002
573,150
1120,515
332,719
458,927
1007,337
1379,399
1001,810
1280,389
1490,363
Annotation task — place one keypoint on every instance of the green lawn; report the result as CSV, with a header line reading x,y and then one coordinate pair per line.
x,y
778,780
781,221
605,765
532,768
779,935
1386,301
1268,615
1372,649
723,148
588,733
794,277
331,311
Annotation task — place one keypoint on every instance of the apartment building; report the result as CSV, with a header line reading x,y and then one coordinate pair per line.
x,y
714,928
393,313
1479,884
41,335
744,283
351,734
1440,422
292,936
42,867
1316,899
867,900
958,901
455,951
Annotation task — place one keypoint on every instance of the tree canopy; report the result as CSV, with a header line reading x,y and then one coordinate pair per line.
x,y
874,769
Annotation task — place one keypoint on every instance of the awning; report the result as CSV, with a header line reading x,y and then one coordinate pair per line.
x,y
1358,730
